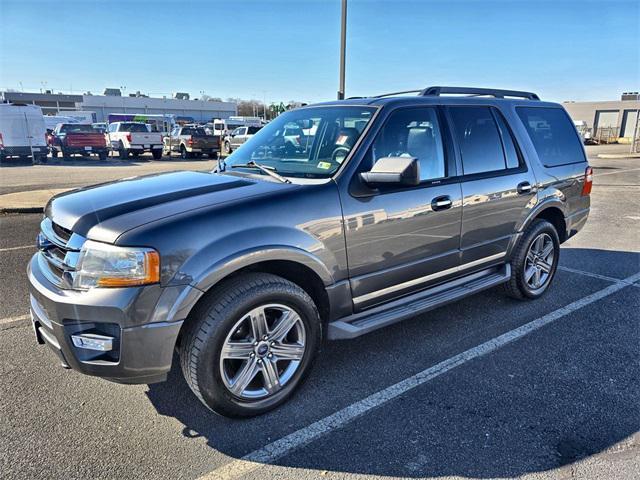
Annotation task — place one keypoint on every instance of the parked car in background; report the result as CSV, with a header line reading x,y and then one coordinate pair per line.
x,y
396,205
77,139
238,136
22,133
134,138
190,141
583,130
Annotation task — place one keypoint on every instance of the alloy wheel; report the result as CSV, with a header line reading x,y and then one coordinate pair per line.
x,y
539,262
263,351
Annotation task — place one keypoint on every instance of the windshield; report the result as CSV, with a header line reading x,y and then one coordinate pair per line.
x,y
308,142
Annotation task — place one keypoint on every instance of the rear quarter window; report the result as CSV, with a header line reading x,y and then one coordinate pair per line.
x,y
553,135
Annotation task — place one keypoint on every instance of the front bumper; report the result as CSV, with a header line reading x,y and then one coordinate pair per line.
x,y
144,322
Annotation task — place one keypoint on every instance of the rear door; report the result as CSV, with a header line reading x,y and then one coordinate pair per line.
x,y
496,183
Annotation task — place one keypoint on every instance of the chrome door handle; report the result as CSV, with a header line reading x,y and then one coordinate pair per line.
x,y
441,203
524,187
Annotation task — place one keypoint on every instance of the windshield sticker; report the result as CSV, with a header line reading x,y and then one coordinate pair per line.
x,y
324,165
342,139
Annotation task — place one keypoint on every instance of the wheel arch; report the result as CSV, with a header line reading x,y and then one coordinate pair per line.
x,y
296,272
551,211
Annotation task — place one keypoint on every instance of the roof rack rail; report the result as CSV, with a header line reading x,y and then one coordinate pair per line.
x,y
473,91
397,93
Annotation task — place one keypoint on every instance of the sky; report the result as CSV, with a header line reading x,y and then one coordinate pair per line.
x,y
289,50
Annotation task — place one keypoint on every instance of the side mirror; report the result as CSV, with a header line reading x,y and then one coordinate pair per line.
x,y
390,170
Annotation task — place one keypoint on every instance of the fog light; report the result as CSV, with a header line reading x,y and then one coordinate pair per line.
x,y
92,341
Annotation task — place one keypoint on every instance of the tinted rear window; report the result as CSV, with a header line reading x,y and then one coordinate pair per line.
x,y
553,135
77,128
134,127
194,131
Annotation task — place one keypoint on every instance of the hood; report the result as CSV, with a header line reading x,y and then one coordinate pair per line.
x,y
105,211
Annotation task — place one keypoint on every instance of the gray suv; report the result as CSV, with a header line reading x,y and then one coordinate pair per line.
x,y
333,221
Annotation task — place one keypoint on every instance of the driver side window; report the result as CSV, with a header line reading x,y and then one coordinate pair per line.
x,y
413,132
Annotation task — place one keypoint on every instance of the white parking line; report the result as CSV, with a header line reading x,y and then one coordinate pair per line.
x,y
22,247
280,448
591,274
614,173
19,318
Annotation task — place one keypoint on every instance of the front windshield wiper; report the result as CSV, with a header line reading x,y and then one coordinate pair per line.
x,y
271,171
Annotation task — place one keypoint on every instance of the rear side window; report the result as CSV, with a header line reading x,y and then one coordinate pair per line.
x,y
479,140
553,135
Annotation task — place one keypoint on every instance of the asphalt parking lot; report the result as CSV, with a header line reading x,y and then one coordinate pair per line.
x,y
487,387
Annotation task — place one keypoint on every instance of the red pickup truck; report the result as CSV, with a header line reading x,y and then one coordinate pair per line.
x,y
74,138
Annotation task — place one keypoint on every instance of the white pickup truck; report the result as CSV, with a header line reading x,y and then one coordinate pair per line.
x,y
134,138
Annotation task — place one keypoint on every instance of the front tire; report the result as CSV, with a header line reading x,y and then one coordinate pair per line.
x,y
250,344
534,262
157,154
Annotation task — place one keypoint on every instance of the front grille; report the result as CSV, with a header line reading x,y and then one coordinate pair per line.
x,y
59,250
61,232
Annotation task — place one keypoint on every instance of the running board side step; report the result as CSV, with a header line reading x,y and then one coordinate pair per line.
x,y
417,303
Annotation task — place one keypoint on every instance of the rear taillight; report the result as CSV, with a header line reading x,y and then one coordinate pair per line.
x,y
588,181
190,141
129,137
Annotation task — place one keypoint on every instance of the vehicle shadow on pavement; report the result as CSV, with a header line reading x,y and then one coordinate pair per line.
x,y
557,396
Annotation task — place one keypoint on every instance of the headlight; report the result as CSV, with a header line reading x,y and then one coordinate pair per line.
x,y
103,265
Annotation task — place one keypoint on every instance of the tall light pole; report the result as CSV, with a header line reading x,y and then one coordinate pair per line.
x,y
343,47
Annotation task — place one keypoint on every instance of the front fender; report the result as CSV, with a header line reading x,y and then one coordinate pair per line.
x,y
241,249
226,266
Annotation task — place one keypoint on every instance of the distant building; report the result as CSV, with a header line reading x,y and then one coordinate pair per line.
x,y
114,102
614,119
51,103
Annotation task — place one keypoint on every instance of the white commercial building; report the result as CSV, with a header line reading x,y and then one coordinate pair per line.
x,y
103,105
198,110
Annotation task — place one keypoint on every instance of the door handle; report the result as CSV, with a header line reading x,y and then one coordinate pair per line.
x,y
441,203
524,187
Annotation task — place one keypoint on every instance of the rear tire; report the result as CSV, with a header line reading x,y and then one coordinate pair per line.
x,y
184,155
102,156
157,154
123,152
222,322
534,262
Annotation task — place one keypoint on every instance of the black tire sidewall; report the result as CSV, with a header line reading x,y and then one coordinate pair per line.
x,y
212,388
536,229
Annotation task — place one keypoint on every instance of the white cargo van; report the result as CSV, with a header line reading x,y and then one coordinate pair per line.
x,y
22,132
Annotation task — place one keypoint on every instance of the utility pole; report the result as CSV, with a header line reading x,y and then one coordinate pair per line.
x,y
343,47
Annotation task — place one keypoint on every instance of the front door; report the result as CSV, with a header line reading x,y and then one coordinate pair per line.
x,y
403,239
496,183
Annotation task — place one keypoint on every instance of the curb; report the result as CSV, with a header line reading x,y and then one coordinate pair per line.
x,y
22,210
618,155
